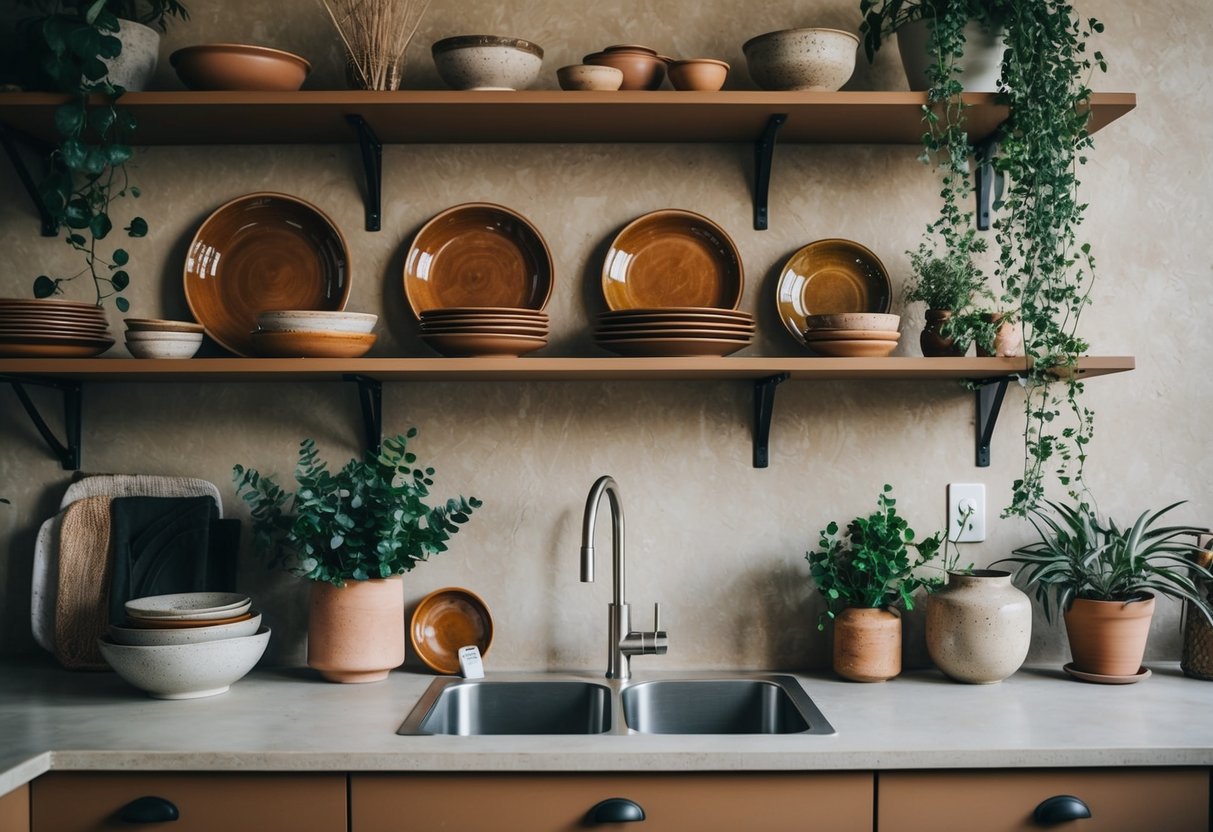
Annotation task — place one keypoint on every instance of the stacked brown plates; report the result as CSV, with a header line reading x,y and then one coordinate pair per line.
x,y
302,333
852,335
483,331
828,277
32,328
675,331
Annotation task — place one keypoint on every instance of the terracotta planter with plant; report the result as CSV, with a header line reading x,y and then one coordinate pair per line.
x,y
947,283
863,572
1104,578
365,524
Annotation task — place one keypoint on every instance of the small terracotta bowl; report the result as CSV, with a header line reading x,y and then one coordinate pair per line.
x,y
699,74
643,68
589,77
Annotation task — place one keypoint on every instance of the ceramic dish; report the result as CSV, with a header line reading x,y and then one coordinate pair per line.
x,y
157,325
487,62
658,323
163,349
484,320
147,637
37,329
850,335
483,345
474,311
701,74
589,77
446,620
186,603
853,321
801,59
486,329
179,623
1098,678
867,348
41,348
830,276
258,253
713,316
672,332
51,303
312,344
480,255
186,671
301,320
138,335
672,259
642,67
673,347
239,66
206,617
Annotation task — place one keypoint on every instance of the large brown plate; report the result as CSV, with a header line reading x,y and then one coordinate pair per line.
x,y
648,326
52,304
446,620
259,253
70,330
483,311
828,277
485,329
672,259
25,348
673,347
478,255
480,345
283,344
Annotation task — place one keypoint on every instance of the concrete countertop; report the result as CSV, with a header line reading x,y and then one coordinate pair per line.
x,y
289,720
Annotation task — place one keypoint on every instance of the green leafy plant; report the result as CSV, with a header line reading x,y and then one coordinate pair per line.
x,y
869,564
1078,555
369,520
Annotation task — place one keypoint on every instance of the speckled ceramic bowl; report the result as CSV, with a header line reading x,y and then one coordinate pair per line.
x,y
487,62
307,320
150,637
186,671
802,59
589,77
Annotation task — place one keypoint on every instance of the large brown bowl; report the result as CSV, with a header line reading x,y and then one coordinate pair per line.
x,y
259,253
446,620
642,68
238,66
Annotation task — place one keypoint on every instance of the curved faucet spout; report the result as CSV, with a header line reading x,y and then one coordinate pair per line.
x,y
604,485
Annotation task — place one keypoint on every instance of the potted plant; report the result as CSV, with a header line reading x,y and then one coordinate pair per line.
x,y
353,534
863,574
1103,578
947,283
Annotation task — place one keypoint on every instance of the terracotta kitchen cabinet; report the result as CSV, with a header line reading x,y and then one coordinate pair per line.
x,y
87,802
14,810
766,802
1120,800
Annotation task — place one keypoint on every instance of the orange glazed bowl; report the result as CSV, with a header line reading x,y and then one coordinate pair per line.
x,y
239,67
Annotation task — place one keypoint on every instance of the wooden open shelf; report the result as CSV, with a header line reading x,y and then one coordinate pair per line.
x,y
426,116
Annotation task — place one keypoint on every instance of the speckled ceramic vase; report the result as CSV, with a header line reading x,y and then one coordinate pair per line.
x,y
136,65
979,626
355,633
1108,638
979,67
867,644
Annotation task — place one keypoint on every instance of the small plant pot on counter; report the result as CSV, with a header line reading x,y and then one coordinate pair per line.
x,y
933,342
867,644
1108,638
979,626
355,632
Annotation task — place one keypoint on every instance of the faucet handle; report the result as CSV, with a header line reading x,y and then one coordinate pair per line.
x,y
657,617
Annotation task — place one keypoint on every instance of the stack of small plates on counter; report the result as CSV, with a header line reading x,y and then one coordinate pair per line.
x,y
673,332
154,338
484,331
307,333
31,328
852,334
187,645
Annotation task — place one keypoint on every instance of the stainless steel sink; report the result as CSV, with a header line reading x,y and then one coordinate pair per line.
x,y
752,705
537,704
479,708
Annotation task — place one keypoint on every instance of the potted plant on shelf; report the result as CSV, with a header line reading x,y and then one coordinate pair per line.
x,y
863,573
353,534
947,283
1103,578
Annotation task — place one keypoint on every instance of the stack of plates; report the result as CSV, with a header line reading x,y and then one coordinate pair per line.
x,y
852,335
308,333
674,332
154,338
52,329
483,331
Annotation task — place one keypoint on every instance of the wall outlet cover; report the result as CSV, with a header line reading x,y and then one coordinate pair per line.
x,y
963,498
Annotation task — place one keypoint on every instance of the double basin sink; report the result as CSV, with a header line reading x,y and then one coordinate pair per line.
x,y
544,704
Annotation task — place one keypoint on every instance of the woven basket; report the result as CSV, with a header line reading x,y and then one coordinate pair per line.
x,y
1197,659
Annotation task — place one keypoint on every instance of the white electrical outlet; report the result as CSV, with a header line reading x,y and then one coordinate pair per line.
x,y
966,498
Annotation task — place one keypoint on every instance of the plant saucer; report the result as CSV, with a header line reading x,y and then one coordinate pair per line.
x,y
1100,679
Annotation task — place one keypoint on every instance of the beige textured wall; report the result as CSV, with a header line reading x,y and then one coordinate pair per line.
x,y
720,544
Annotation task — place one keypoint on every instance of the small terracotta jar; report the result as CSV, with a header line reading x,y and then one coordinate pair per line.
x,y
979,626
1008,338
867,644
1108,638
355,633
932,342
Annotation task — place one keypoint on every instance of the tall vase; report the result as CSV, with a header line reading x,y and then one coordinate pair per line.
x,y
1108,638
867,644
932,341
355,633
979,67
135,66
979,626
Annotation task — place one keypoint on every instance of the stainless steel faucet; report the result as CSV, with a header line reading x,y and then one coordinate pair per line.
x,y
622,641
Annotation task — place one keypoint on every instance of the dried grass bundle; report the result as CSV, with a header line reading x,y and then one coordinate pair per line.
x,y
375,34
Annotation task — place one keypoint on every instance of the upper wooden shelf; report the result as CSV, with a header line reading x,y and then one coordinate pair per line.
x,y
534,369
425,116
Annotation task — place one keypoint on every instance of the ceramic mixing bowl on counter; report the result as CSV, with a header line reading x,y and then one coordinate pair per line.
x,y
487,62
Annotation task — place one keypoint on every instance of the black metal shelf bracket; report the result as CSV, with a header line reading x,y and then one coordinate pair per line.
x,y
372,165
988,182
764,408
764,155
370,398
73,400
50,228
990,394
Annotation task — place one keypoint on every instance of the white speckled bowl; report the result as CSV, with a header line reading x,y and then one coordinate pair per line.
x,y
487,62
308,320
163,347
186,671
589,77
149,637
802,59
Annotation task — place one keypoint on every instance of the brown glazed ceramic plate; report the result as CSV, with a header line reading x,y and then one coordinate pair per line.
x,y
158,325
68,348
287,344
851,335
483,345
672,259
655,324
479,255
239,66
671,332
483,311
51,303
184,623
868,348
487,329
446,620
71,330
731,316
828,277
673,347
259,253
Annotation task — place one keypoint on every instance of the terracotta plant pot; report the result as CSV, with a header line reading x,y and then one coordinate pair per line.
x,y
979,626
1008,339
934,344
867,644
1108,638
355,633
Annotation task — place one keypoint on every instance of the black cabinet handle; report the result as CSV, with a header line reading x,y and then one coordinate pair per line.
x,y
615,810
1059,809
149,809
